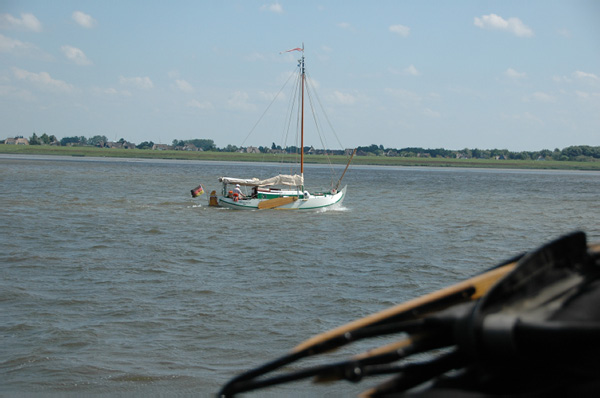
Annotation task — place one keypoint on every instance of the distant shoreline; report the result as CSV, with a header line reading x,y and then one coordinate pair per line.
x,y
314,159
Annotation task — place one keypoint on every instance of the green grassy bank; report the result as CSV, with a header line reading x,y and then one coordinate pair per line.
x,y
259,157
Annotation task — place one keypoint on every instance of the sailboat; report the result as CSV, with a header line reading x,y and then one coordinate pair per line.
x,y
283,191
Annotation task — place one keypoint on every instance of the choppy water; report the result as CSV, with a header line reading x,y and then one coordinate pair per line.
x,y
113,280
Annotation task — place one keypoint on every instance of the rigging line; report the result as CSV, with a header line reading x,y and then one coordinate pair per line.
x,y
266,110
321,135
292,106
327,118
317,126
311,92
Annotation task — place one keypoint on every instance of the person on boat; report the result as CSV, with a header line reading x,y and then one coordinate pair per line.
x,y
238,191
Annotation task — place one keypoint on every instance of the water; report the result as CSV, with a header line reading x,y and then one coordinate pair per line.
x,y
113,280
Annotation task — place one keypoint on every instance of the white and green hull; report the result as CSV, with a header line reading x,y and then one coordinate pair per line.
x,y
312,202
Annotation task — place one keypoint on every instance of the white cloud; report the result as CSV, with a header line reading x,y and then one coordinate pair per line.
x,y
343,98
43,80
404,95
540,97
524,117
587,96
200,105
512,25
16,93
431,113
411,70
272,96
8,45
19,48
255,56
76,55
137,82
564,32
83,19
584,75
401,30
561,79
26,22
344,25
239,100
112,91
184,86
513,74
274,7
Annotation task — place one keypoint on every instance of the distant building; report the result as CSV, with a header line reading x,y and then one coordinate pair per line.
x,y
161,147
190,147
16,141
119,145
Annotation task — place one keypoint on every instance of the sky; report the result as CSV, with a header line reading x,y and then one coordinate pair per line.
x,y
516,75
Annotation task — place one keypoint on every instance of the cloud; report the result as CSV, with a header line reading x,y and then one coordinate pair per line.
x,y
184,86
431,113
584,75
411,70
496,22
272,96
523,117
564,32
76,55
561,79
42,80
255,56
540,96
205,105
344,25
587,96
274,7
19,48
343,98
84,20
239,100
401,30
513,74
112,91
26,22
16,93
137,82
8,45
404,95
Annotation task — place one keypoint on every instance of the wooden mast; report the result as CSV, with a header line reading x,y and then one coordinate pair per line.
x,y
302,118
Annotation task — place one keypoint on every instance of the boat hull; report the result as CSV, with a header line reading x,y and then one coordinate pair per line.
x,y
313,202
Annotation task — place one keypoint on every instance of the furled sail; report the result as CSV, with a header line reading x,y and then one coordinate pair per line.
x,y
282,179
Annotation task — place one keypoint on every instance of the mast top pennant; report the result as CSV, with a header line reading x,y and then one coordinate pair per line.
x,y
293,49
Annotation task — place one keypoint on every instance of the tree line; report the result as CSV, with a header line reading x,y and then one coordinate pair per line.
x,y
571,153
